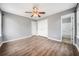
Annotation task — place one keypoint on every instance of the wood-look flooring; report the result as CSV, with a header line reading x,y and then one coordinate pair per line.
x,y
37,46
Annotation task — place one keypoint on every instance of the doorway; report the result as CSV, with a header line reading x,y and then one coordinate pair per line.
x,y
43,27
67,28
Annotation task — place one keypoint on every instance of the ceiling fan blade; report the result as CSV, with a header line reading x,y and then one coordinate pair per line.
x,y
28,12
39,16
41,12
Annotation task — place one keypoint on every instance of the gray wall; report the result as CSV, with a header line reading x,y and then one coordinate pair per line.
x,y
15,26
54,24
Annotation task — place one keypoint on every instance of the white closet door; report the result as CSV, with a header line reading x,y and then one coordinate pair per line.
x,y
43,27
34,27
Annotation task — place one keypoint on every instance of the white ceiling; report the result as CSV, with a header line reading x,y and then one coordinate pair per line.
x,y
49,8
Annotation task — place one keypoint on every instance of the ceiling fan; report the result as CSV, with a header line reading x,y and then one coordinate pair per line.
x,y
35,12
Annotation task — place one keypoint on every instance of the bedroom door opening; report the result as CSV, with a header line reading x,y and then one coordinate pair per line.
x,y
67,26
43,27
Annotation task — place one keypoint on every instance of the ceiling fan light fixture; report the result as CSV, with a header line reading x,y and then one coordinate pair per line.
x,y
35,12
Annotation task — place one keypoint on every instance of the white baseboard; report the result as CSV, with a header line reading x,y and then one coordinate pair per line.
x,y
17,39
28,37
54,39
77,46
1,44
51,38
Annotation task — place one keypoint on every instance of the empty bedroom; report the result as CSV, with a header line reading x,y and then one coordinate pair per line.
x,y
39,29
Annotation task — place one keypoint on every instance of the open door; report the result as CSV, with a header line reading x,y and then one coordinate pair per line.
x,y
67,28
